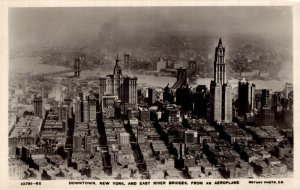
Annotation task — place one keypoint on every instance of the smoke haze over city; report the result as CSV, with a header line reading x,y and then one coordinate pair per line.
x,y
61,25
138,29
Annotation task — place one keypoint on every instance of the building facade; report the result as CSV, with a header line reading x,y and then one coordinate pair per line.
x,y
86,110
200,101
265,98
141,134
246,97
92,108
123,138
151,96
190,137
108,105
287,89
220,89
77,109
38,106
118,84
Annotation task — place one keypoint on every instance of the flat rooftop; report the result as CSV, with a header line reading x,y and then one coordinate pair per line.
x,y
27,127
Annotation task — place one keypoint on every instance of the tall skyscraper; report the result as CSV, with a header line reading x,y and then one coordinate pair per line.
x,y
108,105
126,59
200,101
246,97
168,94
92,108
151,96
265,115
123,86
68,103
86,110
118,109
38,106
265,98
184,97
287,89
220,89
144,114
77,109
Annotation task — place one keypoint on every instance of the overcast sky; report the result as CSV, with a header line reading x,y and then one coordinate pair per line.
x,y
52,26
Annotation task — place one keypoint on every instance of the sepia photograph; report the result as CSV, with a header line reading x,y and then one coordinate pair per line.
x,y
150,93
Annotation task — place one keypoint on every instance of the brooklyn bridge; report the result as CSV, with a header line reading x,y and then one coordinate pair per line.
x,y
76,69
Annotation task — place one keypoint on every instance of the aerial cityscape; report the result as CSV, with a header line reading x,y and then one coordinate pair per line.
x,y
151,96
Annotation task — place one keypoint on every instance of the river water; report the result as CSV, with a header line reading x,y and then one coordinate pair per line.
x,y
33,66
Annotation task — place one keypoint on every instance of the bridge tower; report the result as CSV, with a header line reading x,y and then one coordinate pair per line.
x,y
182,78
77,66
192,68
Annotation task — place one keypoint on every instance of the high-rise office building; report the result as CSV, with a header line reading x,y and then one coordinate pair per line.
x,y
246,97
144,114
86,110
287,89
220,89
87,143
288,112
118,109
68,103
126,59
161,64
92,108
181,150
77,109
291,100
151,96
265,98
38,106
172,114
257,102
140,134
168,94
123,138
200,101
184,97
140,96
59,111
265,115
108,105
123,86
77,143
82,143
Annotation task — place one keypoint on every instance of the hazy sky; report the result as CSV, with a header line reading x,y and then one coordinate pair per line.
x,y
50,26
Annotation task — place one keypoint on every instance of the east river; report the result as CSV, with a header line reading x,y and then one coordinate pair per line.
x,y
33,66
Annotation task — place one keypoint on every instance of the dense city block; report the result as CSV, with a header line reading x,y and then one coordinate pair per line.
x,y
113,127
